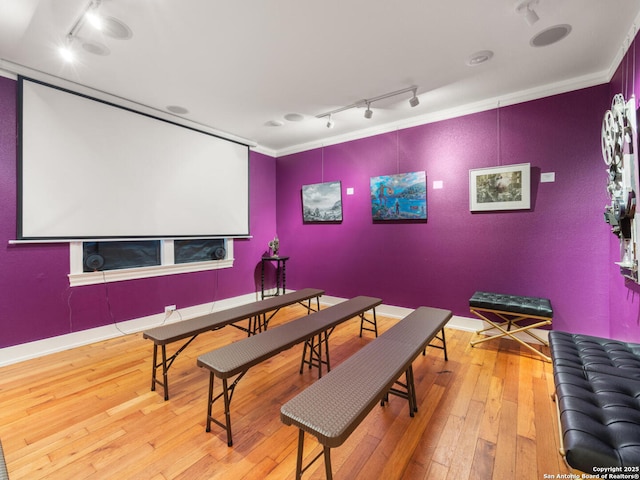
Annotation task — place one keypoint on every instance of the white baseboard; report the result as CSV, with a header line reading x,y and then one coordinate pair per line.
x,y
40,348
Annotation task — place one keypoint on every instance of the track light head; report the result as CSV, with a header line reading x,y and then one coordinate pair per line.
x,y
525,8
330,122
368,113
413,101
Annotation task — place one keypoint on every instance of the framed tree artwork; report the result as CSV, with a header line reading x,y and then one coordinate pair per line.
x,y
322,202
500,188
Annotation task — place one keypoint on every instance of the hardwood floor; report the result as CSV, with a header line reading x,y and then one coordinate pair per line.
x,y
88,413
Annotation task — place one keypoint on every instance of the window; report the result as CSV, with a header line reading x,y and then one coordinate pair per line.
x,y
200,250
116,255
112,261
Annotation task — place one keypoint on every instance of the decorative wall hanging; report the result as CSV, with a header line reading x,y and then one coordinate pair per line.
x,y
322,202
399,197
618,136
500,188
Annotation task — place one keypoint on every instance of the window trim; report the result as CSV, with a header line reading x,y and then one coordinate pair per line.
x,y
79,278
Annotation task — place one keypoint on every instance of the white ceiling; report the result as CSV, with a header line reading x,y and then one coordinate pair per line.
x,y
237,65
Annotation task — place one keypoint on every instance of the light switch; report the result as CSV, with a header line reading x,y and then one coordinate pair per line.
x,y
548,177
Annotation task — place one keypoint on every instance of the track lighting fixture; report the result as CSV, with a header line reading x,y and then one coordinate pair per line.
x,y
413,101
330,122
368,112
109,26
525,8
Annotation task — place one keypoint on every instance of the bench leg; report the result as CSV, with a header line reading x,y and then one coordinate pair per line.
x,y
165,367
154,367
227,411
327,463
309,307
310,345
165,374
227,395
443,347
511,333
300,468
373,322
316,357
165,364
407,391
210,401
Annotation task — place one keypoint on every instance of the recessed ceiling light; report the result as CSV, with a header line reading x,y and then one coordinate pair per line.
x,y
550,35
274,123
479,57
178,110
294,117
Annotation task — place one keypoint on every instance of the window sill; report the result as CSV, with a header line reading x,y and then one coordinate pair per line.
x,y
93,278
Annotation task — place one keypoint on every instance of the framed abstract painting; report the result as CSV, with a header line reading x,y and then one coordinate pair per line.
x,y
399,197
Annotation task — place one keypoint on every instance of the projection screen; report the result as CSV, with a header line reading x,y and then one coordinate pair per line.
x,y
89,169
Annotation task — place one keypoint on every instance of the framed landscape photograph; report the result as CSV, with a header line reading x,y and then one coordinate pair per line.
x,y
399,197
500,188
322,202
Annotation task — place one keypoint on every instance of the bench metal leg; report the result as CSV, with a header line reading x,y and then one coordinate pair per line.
x,y
227,395
316,357
300,468
374,323
407,391
509,322
442,347
309,307
327,463
165,363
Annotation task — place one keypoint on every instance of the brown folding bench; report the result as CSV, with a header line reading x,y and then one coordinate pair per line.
x,y
334,406
505,313
254,312
236,359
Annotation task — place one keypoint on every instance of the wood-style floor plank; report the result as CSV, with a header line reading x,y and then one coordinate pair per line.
x,y
88,413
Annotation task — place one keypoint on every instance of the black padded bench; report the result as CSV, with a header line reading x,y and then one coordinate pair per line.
x,y
510,310
236,359
254,312
3,466
597,395
335,405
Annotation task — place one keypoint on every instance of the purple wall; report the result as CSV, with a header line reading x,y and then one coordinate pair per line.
x,y
36,299
560,249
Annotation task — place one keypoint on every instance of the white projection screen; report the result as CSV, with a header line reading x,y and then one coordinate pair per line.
x,y
89,169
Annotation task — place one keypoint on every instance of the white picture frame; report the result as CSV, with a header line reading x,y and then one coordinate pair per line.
x,y
500,188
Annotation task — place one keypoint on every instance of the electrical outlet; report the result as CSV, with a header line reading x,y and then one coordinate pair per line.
x,y
169,308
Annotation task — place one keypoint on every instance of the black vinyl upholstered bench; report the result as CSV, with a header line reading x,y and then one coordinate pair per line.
x,y
231,362
597,395
335,405
257,313
505,313
3,466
